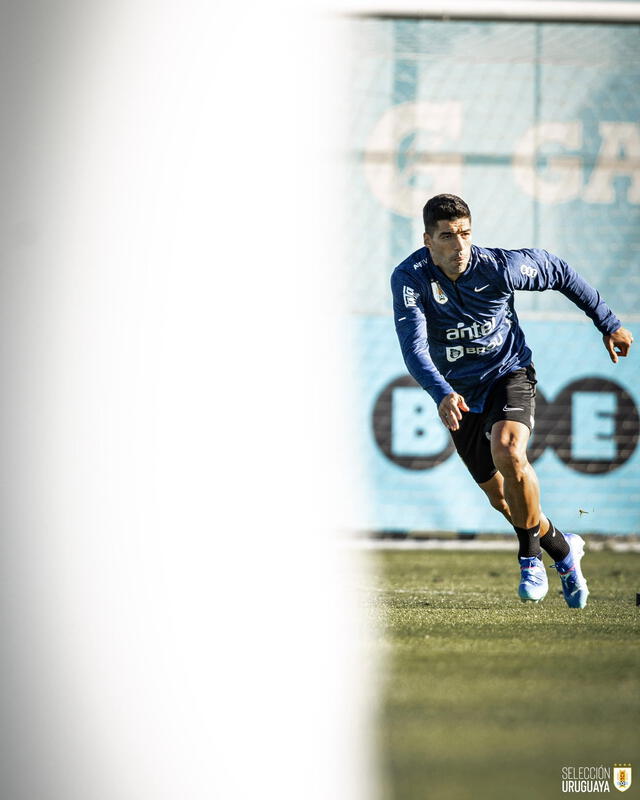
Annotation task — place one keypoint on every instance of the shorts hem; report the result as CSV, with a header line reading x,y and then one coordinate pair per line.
x,y
484,480
492,422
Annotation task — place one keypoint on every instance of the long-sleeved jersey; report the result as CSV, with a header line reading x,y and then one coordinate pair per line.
x,y
463,335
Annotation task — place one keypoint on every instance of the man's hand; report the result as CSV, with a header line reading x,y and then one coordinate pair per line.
x,y
618,343
450,410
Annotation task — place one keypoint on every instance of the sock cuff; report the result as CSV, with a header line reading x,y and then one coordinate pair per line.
x,y
527,531
528,541
528,558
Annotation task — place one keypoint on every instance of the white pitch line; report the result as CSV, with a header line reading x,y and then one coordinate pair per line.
x,y
473,545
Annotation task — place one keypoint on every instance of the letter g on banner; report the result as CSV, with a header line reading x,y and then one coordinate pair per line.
x,y
592,425
408,155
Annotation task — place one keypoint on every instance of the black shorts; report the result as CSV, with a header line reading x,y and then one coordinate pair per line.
x,y
512,397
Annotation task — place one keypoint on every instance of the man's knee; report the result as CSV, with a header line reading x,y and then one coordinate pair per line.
x,y
509,458
509,448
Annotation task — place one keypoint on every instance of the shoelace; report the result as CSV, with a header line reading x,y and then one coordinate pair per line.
x,y
568,572
533,573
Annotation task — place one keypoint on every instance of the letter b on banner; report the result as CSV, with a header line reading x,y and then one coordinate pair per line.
x,y
406,426
415,428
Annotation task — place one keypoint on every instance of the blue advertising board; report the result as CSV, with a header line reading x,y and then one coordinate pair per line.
x,y
537,127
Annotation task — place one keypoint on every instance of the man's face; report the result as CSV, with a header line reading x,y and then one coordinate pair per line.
x,y
450,246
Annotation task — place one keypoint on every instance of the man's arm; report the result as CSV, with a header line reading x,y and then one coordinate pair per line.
x,y
538,270
411,327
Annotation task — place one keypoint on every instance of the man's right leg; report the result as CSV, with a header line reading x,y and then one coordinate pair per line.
x,y
473,447
573,584
533,584
494,489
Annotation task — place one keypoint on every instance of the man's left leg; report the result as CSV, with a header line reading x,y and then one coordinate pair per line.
x,y
522,495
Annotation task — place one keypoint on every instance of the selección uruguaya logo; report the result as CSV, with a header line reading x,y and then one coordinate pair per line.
x,y
596,779
622,776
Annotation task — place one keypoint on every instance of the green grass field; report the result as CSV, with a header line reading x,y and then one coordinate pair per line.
x,y
483,696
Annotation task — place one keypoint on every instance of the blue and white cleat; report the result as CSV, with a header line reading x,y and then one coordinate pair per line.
x,y
574,584
533,581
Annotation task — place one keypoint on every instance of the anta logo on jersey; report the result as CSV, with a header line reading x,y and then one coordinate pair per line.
x,y
471,331
438,295
530,272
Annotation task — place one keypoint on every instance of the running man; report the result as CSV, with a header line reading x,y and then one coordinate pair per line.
x,y
462,342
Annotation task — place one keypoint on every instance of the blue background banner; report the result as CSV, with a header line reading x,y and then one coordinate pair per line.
x,y
537,127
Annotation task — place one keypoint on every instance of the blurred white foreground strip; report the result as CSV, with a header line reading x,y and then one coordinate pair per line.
x,y
175,619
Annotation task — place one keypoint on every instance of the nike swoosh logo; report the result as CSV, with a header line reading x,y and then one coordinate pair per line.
x,y
480,288
536,534
506,408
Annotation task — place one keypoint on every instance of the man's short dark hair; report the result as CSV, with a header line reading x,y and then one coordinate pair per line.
x,y
443,206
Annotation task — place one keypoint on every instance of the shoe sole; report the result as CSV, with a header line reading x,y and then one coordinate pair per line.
x,y
533,599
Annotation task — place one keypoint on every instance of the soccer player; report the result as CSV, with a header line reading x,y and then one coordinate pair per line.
x,y
462,342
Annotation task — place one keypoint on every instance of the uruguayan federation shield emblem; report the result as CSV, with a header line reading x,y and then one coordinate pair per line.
x,y
622,777
438,295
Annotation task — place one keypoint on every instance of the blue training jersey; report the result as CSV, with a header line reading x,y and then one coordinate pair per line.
x,y
463,335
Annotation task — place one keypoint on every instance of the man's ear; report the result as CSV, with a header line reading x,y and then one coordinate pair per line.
x,y
427,240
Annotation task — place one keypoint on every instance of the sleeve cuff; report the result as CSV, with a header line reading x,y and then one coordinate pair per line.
x,y
610,325
438,393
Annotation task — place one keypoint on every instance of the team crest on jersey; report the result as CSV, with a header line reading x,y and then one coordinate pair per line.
x,y
622,777
438,295
454,353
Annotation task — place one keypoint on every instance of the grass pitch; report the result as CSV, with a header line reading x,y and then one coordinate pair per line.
x,y
483,696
